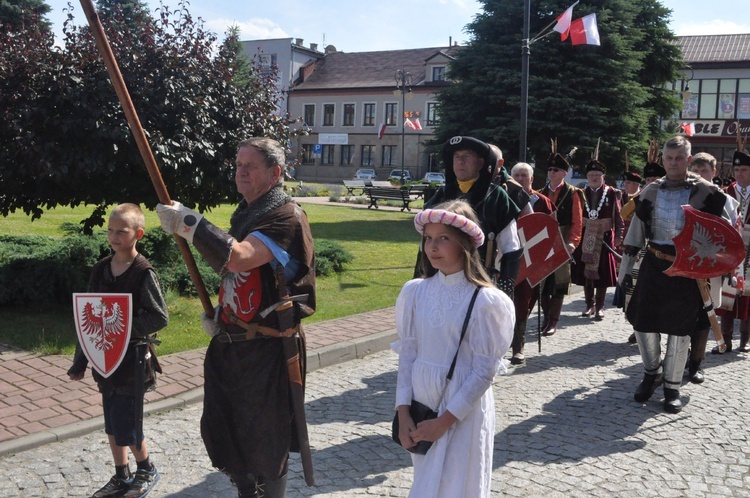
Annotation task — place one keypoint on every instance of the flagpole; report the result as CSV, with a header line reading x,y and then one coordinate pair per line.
x,y
525,54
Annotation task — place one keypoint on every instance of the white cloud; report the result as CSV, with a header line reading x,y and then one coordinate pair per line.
x,y
252,29
713,27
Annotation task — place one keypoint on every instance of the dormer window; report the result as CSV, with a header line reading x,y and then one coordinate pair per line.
x,y
438,73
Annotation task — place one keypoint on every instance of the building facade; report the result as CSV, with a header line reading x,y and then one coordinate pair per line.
x,y
368,110
354,107
716,93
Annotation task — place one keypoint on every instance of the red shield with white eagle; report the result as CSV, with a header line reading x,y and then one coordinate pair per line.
x,y
103,325
708,246
241,294
544,250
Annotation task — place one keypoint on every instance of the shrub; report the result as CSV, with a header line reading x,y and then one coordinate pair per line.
x,y
330,257
37,269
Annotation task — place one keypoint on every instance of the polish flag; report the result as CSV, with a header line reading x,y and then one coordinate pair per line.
x,y
583,31
563,22
417,124
381,131
688,128
409,123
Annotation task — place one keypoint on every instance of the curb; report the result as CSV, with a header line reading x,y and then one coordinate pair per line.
x,y
319,358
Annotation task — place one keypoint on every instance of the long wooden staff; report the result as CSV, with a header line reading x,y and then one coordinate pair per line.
x,y
140,139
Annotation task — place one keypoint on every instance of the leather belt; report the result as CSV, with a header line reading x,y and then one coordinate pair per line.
x,y
660,255
252,330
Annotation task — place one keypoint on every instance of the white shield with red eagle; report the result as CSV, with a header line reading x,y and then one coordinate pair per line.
x,y
708,246
103,325
544,250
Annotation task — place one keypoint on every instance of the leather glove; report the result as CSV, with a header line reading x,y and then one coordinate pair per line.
x,y
177,219
211,325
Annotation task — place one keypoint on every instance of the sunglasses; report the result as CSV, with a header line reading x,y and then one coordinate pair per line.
x,y
554,170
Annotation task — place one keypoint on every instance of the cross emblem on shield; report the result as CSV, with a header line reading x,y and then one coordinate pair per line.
x,y
544,250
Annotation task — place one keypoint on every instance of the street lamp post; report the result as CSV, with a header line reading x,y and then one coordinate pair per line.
x,y
403,86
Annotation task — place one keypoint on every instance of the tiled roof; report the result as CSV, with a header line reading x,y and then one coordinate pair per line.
x,y
715,48
370,69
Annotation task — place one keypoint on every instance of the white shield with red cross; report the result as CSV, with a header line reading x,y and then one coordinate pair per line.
x,y
103,325
708,246
544,250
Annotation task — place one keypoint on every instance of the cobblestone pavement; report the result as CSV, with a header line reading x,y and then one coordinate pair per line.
x,y
567,425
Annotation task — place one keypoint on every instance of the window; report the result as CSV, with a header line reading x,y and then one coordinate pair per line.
x,y
310,114
328,111
389,155
390,114
347,155
438,73
368,115
327,155
308,157
432,116
368,155
348,115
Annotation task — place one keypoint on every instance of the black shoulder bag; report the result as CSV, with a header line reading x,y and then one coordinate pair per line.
x,y
420,412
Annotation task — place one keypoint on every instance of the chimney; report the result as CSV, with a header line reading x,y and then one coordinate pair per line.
x,y
314,46
298,41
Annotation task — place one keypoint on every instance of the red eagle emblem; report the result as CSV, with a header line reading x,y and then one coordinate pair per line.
x,y
103,325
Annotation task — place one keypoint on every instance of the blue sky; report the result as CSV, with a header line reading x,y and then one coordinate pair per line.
x,y
356,26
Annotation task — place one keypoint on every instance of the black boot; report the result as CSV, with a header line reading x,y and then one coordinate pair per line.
x,y
696,372
647,387
273,489
672,403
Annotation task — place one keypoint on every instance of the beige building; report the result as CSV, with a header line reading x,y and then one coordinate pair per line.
x,y
344,99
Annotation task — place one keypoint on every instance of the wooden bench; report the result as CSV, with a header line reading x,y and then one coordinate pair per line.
x,y
418,189
381,183
352,185
374,194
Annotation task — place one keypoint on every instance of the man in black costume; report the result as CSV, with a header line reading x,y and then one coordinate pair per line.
x,y
470,167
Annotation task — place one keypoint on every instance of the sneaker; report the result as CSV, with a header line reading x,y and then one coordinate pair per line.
x,y
116,487
143,482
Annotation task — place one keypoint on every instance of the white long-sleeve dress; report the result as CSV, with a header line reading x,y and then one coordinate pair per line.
x,y
429,317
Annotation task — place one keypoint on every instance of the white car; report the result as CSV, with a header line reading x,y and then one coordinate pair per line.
x,y
365,174
434,177
395,175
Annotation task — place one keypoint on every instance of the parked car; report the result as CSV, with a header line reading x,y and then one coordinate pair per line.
x,y
395,175
365,174
434,177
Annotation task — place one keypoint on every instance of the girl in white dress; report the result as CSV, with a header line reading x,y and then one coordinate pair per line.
x,y
430,312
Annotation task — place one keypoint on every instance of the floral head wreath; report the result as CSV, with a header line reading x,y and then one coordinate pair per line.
x,y
452,219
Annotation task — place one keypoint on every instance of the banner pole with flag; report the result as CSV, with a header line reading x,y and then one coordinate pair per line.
x,y
140,139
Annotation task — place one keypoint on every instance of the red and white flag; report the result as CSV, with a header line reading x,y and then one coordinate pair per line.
x,y
563,22
417,124
583,31
409,123
688,128
381,131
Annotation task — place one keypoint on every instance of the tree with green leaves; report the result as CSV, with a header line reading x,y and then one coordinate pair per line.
x,y
64,139
577,94
18,15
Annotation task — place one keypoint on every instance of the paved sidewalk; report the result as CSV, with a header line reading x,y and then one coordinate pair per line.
x,y
39,404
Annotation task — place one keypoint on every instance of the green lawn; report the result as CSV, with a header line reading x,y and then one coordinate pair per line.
x,y
383,243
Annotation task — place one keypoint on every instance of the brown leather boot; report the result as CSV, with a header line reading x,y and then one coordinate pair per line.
x,y
588,297
554,315
519,340
601,295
